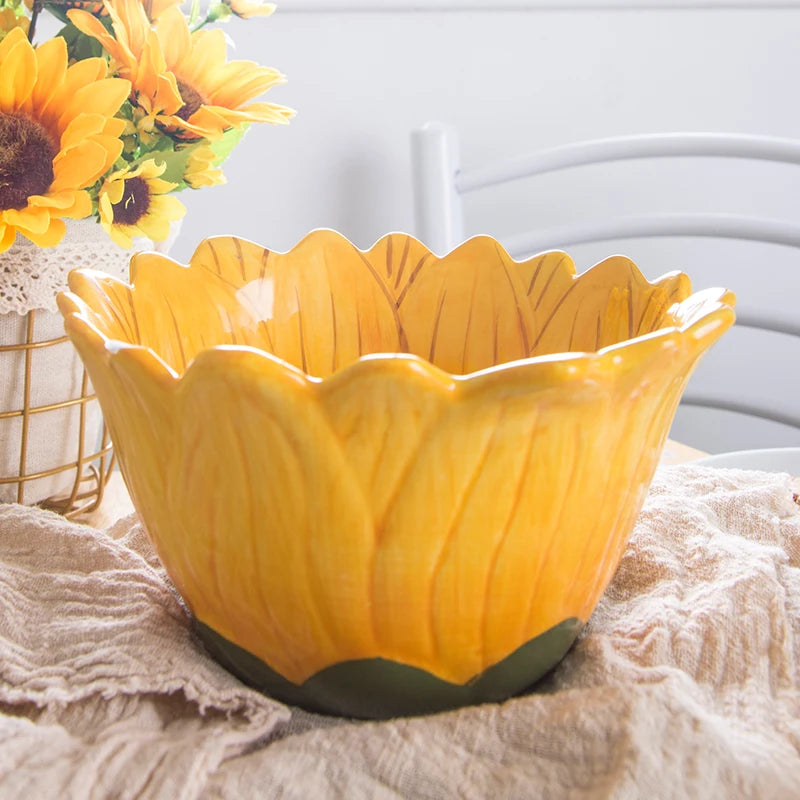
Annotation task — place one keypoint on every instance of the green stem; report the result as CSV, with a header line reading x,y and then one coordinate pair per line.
x,y
201,24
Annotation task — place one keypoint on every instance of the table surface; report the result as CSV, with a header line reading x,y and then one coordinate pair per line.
x,y
117,504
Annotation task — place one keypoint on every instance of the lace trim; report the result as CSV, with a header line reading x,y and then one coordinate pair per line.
x,y
31,276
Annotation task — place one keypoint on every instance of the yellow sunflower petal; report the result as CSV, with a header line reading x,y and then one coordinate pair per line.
x,y
217,117
160,6
72,204
103,97
7,42
167,95
206,177
19,72
51,58
167,207
188,130
11,40
119,236
79,166
114,193
174,36
35,220
81,206
130,22
104,209
82,73
213,119
154,81
209,49
82,127
89,24
117,45
51,237
128,172
113,147
150,169
7,236
246,9
55,200
153,228
85,72
271,112
259,112
239,81
158,186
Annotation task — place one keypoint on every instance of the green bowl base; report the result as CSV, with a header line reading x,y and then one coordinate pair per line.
x,y
377,688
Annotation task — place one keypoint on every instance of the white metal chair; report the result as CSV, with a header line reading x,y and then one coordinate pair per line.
x,y
753,388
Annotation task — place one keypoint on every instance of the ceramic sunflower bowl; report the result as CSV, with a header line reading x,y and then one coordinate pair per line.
x,y
385,482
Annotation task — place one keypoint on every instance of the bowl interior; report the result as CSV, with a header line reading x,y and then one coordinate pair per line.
x,y
325,304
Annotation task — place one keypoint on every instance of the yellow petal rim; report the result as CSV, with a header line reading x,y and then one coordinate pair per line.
x,y
344,454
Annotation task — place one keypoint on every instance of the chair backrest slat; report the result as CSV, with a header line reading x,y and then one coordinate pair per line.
x,y
440,185
718,226
762,410
621,148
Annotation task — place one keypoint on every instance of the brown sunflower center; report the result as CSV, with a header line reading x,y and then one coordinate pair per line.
x,y
26,160
134,203
192,100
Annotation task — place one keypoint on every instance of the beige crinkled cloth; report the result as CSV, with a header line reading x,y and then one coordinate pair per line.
x,y
686,683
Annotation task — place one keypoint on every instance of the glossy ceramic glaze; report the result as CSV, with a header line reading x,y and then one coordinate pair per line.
x,y
387,457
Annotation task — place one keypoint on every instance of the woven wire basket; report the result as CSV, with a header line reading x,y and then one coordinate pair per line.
x,y
54,447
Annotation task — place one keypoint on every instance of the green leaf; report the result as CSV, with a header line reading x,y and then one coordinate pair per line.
x,y
58,11
222,147
79,45
176,161
161,145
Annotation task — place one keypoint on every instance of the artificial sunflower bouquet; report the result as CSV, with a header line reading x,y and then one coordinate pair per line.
x,y
132,101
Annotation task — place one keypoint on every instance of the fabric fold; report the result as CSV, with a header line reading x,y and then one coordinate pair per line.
x,y
103,689
685,682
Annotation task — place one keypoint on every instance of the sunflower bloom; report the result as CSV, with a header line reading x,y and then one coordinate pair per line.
x,y
135,202
216,92
58,136
200,169
183,78
136,54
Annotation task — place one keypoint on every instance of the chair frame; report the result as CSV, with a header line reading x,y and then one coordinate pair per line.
x,y
439,184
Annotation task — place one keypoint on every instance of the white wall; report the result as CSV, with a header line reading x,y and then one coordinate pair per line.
x,y
510,81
